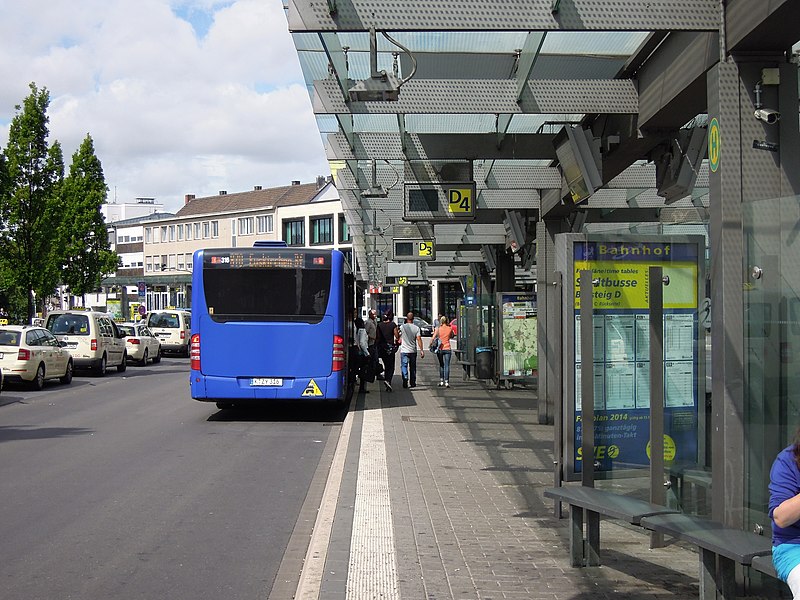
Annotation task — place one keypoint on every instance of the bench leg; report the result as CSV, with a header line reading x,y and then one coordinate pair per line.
x,y
708,572
592,538
727,579
576,536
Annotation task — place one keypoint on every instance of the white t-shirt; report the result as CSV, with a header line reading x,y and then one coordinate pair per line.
x,y
408,338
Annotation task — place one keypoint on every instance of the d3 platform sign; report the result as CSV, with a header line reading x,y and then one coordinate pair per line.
x,y
413,249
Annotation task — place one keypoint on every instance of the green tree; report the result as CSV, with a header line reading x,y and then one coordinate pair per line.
x,y
88,256
30,183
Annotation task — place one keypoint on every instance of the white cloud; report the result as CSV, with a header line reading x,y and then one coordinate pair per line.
x,y
170,111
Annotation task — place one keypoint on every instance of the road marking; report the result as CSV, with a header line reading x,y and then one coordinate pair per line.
x,y
372,572
308,587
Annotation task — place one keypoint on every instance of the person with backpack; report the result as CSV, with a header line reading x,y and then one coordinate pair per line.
x,y
386,340
410,340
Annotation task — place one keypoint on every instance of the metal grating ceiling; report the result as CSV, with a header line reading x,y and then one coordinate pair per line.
x,y
488,96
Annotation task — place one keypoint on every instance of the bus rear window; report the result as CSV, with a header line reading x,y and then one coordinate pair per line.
x,y
267,294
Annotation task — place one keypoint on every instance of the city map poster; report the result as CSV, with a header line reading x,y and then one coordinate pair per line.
x,y
621,349
518,322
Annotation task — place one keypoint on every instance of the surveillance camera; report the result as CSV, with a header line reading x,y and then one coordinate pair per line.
x,y
768,115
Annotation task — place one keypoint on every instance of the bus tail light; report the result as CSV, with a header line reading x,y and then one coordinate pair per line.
x,y
338,353
194,352
23,354
94,345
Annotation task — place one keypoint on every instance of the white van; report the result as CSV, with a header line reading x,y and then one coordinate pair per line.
x,y
92,339
172,328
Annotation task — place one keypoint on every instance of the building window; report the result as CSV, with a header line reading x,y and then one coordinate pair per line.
x,y
321,230
149,264
163,266
206,230
294,232
246,226
348,256
344,230
148,234
180,233
188,262
264,224
197,231
188,231
164,233
214,229
172,233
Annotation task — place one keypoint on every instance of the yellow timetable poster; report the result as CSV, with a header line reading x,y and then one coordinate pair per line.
x,y
621,346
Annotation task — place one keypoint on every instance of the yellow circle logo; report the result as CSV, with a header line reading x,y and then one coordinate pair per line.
x,y
714,144
669,448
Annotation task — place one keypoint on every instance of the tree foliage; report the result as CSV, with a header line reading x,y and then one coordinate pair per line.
x,y
29,187
88,256
51,228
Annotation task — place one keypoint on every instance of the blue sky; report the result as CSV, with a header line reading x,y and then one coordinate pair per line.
x,y
180,96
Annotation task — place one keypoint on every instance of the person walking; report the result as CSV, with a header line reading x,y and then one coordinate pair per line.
x,y
371,327
386,340
410,340
363,354
353,360
444,333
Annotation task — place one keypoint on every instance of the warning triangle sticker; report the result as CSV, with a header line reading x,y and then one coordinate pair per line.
x,y
312,389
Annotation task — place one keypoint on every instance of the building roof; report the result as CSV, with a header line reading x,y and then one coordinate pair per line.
x,y
141,219
287,195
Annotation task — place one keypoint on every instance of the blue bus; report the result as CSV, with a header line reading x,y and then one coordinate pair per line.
x,y
268,323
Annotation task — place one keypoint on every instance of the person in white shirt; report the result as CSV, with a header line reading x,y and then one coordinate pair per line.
x,y
410,340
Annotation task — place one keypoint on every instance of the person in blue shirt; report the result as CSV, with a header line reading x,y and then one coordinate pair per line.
x,y
784,510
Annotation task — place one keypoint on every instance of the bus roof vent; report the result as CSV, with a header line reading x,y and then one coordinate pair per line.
x,y
269,244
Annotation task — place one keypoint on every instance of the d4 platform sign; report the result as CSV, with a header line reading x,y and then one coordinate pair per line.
x,y
413,249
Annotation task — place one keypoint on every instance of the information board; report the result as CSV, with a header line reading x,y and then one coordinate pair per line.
x,y
518,335
621,349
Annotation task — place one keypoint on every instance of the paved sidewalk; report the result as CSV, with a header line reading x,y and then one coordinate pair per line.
x,y
441,498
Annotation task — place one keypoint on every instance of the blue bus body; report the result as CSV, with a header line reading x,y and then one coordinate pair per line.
x,y
268,323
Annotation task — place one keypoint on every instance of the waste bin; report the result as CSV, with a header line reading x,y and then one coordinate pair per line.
x,y
484,362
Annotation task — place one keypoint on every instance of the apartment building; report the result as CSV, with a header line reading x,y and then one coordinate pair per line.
x,y
301,214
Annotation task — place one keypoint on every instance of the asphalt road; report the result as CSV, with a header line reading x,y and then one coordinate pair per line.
x,y
124,487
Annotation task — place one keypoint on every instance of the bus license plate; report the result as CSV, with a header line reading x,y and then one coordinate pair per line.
x,y
266,381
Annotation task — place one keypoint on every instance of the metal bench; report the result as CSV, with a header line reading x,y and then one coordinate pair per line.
x,y
585,551
466,364
721,548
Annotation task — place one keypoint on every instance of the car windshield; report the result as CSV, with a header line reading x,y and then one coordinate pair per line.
x,y
126,330
167,320
68,324
9,338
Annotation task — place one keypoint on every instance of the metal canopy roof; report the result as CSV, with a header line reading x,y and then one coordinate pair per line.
x,y
488,89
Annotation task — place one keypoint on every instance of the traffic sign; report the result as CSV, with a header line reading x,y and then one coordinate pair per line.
x,y
142,289
142,310
460,200
413,249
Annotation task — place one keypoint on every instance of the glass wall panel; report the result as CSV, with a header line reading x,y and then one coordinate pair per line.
x,y
771,330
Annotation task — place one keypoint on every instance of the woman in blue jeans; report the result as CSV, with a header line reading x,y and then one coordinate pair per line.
x,y
445,333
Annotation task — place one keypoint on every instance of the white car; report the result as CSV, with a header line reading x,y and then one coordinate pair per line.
x,y
91,337
140,343
173,329
32,355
